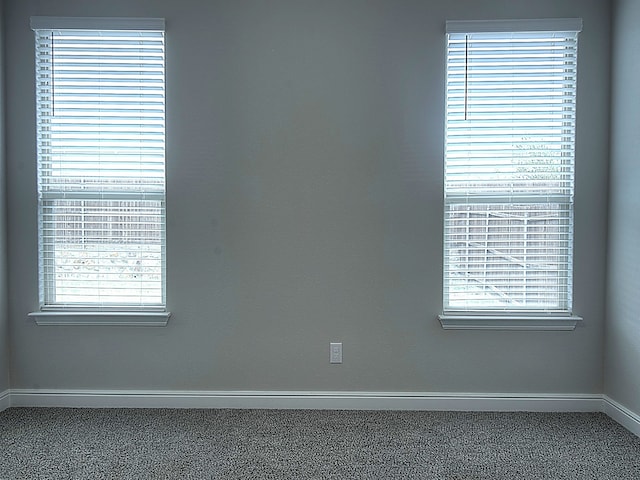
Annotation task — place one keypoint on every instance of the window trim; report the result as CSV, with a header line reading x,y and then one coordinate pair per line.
x,y
95,314
480,321
101,318
526,25
96,23
497,318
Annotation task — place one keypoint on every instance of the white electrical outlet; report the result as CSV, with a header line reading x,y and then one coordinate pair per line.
x,y
335,352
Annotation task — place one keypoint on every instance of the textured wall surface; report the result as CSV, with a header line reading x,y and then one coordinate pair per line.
x,y
622,347
305,170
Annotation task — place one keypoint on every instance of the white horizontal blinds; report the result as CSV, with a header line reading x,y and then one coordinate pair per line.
x,y
101,165
509,167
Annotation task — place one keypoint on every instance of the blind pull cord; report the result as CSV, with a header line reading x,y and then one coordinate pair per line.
x,y
53,73
466,75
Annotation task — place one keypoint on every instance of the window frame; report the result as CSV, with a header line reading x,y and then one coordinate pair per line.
x,y
500,317
114,312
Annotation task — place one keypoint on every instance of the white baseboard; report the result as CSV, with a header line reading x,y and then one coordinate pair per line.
x,y
308,400
5,400
622,415
478,402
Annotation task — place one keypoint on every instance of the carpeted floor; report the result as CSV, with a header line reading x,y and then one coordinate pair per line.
x,y
55,443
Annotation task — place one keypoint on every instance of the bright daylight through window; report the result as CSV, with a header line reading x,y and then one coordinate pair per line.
x,y
509,166
100,92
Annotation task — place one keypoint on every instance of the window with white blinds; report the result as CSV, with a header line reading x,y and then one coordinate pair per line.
x,y
509,165
100,94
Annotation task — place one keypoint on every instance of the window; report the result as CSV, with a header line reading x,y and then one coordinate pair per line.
x,y
509,166
100,94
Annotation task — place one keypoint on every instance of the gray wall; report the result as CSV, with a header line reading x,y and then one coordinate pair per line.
x,y
623,315
305,145
4,322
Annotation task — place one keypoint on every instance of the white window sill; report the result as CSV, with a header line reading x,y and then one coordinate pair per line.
x,y
508,322
133,319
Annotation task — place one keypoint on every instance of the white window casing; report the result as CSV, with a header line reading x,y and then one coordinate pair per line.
x,y
100,96
509,168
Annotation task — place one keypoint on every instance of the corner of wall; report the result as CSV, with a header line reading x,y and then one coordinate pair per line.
x,y
4,323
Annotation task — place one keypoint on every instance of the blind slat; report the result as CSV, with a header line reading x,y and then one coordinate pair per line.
x,y
509,169
101,165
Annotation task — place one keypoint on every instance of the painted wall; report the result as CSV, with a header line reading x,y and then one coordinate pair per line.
x,y
623,316
4,321
304,155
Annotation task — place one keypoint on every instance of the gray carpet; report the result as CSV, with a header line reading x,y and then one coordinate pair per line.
x,y
55,443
